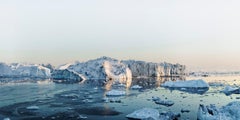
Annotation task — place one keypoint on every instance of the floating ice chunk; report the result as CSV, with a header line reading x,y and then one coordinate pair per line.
x,y
185,110
228,90
136,87
190,86
116,93
186,84
112,100
169,116
164,102
83,117
144,113
6,119
167,103
152,114
229,112
155,98
33,108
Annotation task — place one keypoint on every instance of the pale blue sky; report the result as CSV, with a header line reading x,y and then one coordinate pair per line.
x,y
201,34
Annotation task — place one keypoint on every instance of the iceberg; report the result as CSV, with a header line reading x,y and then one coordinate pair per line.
x,y
228,90
33,108
149,69
191,86
159,101
115,93
152,114
67,76
229,112
144,114
103,68
100,70
164,102
135,87
16,70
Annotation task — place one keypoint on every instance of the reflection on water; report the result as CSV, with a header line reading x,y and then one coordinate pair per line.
x,y
68,101
146,83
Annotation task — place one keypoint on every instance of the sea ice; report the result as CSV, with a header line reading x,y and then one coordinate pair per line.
x,y
136,87
144,113
229,112
186,84
116,93
33,108
228,90
190,86
152,114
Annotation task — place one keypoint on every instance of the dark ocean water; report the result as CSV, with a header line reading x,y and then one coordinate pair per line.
x,y
76,101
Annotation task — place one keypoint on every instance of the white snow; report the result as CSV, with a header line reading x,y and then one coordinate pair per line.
x,y
33,108
229,112
115,93
186,84
144,114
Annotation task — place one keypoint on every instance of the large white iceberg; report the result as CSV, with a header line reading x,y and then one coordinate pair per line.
x,y
17,70
229,112
186,84
102,68
149,69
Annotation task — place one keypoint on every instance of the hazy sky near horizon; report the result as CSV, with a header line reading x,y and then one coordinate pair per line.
x,y
202,34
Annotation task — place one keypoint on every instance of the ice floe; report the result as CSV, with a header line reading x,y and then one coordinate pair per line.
x,y
115,93
229,112
191,86
228,90
33,108
159,101
152,114
136,87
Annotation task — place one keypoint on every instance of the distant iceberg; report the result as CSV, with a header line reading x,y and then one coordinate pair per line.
x,y
191,86
186,84
17,70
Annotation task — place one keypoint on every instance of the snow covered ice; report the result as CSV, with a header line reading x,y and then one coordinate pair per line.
x,y
144,114
191,86
152,114
229,112
115,93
